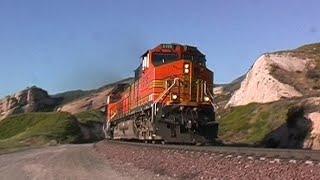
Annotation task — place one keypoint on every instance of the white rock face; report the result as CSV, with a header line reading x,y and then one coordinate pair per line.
x,y
261,87
315,118
313,142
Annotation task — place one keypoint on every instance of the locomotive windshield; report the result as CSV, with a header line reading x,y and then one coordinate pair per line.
x,y
195,58
159,59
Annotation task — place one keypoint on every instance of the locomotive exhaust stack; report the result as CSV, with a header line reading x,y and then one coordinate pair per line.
x,y
171,99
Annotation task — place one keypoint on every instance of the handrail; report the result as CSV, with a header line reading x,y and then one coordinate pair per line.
x,y
167,90
208,93
154,105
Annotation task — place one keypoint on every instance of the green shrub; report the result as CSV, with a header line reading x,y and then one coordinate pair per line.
x,y
251,123
90,116
40,128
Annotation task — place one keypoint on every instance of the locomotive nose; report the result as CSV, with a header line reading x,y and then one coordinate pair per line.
x,y
195,83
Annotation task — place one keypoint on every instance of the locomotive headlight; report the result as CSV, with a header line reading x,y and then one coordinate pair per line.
x,y
206,99
174,97
186,68
186,71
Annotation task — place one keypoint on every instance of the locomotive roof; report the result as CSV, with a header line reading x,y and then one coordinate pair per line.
x,y
173,46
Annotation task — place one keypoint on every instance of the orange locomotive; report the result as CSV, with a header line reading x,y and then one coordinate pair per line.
x,y
170,100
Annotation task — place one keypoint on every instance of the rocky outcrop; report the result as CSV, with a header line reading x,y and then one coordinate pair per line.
x,y
261,86
32,99
91,131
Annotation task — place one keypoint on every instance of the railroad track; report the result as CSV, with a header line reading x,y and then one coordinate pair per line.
x,y
290,154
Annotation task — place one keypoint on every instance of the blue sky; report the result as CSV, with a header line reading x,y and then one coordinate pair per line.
x,y
82,44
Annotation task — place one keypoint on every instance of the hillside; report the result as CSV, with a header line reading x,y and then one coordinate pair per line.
x,y
35,129
35,99
29,118
70,96
49,128
277,103
90,100
281,75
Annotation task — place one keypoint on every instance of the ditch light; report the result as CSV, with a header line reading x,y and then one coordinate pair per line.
x,y
174,97
206,99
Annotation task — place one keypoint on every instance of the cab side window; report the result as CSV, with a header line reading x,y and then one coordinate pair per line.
x,y
145,62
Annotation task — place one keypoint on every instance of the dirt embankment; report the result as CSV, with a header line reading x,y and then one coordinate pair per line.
x,y
65,162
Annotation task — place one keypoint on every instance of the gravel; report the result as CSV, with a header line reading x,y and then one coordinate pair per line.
x,y
181,164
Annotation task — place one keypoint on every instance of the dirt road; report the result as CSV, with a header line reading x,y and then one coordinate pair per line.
x,y
61,162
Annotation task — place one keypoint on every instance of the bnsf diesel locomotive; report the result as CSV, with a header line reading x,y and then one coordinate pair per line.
x,y
170,99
